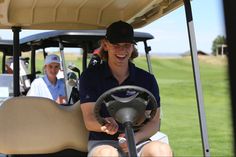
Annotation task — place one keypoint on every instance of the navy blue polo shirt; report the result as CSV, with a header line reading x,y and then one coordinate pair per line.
x,y
97,79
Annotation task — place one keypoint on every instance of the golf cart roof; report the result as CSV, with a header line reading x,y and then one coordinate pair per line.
x,y
81,14
74,38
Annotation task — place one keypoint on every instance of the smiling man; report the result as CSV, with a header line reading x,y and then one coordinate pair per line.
x,y
118,70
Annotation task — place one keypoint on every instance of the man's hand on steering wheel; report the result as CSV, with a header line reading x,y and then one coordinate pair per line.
x,y
110,127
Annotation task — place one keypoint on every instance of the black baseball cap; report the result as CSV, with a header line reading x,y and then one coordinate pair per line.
x,y
120,32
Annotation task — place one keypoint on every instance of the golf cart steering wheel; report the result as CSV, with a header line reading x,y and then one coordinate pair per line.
x,y
128,108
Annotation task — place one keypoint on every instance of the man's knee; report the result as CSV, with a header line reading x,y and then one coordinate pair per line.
x,y
104,150
156,148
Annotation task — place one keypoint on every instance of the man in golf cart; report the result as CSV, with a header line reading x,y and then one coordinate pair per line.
x,y
118,71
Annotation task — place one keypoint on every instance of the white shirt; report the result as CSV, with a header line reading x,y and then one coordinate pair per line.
x,y
43,91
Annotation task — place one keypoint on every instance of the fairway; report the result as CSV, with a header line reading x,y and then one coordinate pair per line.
x,y
179,107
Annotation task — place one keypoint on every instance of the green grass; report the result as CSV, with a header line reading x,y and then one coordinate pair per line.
x,y
179,106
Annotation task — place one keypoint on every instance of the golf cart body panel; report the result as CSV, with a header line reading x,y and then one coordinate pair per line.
x,y
45,127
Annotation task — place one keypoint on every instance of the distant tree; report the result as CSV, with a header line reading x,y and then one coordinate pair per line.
x,y
186,53
219,40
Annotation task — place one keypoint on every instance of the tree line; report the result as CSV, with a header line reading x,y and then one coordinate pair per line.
x,y
218,42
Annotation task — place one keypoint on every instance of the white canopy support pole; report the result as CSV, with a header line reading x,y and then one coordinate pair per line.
x,y
197,80
64,67
147,49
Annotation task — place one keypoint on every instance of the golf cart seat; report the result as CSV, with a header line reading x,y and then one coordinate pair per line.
x,y
35,125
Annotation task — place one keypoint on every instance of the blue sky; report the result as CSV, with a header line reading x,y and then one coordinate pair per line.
x,y
170,31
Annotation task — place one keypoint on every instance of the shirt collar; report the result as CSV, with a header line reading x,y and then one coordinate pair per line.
x,y
48,82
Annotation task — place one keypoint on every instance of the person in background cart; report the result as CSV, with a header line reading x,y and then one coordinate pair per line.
x,y
49,86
